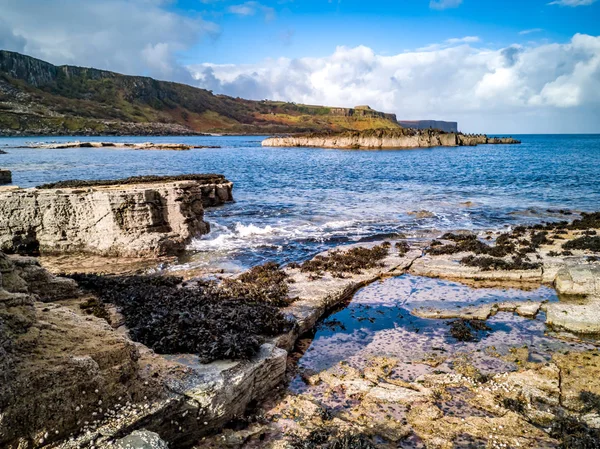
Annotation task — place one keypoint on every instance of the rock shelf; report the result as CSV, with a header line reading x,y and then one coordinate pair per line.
x,y
183,400
132,217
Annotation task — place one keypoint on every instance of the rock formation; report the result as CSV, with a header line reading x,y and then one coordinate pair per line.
x,y
449,127
376,139
132,217
131,146
5,177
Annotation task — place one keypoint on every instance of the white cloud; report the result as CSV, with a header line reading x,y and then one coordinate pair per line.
x,y
444,4
128,36
532,30
572,3
485,89
463,40
251,8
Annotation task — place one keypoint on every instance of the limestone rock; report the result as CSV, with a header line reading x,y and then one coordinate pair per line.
x,y
373,139
128,220
579,280
141,439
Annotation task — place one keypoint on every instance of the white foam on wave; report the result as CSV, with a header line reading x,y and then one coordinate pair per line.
x,y
244,236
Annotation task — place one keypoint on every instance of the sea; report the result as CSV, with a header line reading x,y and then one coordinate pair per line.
x,y
292,203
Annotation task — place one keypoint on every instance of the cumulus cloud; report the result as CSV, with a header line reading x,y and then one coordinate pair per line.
x,y
251,8
128,36
445,4
572,3
515,85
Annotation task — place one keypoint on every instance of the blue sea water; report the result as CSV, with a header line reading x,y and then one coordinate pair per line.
x,y
294,202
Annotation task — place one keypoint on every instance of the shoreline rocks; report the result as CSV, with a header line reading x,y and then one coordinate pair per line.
x,y
381,139
5,177
131,218
130,146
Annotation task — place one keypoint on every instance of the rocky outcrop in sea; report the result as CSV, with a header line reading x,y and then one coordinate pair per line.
x,y
377,139
129,217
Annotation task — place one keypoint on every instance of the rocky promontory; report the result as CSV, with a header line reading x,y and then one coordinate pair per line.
x,y
385,138
136,216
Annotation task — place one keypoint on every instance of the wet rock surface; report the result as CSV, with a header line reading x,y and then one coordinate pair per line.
x,y
132,217
384,370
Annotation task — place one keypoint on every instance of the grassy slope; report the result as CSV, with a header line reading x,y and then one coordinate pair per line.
x,y
91,101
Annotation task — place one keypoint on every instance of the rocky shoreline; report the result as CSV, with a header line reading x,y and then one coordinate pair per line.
x,y
131,217
130,146
379,139
158,358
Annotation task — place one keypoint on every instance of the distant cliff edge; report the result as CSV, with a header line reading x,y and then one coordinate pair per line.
x,y
449,127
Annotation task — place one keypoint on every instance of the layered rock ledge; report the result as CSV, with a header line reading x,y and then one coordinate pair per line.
x,y
131,217
130,146
377,139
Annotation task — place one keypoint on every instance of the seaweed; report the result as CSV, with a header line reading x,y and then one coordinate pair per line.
x,y
403,248
458,237
517,405
587,221
76,183
352,261
94,306
322,438
584,243
574,433
591,402
467,330
203,320
264,283
494,263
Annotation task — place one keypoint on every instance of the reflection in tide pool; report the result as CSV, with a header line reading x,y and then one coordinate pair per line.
x,y
378,322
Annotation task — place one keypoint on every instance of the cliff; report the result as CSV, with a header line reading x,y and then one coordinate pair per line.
x,y
131,217
39,98
449,127
374,139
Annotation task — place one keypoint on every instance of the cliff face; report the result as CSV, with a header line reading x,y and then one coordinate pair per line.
x,y
404,138
38,98
449,127
123,220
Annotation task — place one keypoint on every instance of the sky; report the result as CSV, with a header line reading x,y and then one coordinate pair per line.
x,y
496,66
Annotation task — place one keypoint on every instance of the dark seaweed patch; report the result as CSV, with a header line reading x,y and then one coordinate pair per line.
x,y
331,439
574,433
264,283
402,247
75,183
516,405
591,401
94,306
203,320
584,243
352,261
467,330
494,263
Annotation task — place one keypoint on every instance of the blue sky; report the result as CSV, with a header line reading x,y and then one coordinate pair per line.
x,y
316,27
498,66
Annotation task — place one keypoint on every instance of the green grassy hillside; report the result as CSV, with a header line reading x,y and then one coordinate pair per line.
x,y
39,98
